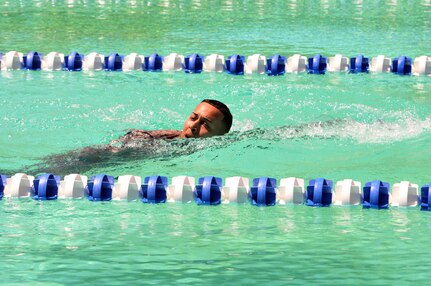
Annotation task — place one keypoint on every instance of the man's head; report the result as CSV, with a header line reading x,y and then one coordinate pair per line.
x,y
210,118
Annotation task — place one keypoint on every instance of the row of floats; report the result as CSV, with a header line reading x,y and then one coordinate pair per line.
x,y
210,190
234,64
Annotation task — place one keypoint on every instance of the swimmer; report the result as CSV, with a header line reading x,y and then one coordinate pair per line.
x,y
210,118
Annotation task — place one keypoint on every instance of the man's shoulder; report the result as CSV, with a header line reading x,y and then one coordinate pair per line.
x,y
163,134
136,134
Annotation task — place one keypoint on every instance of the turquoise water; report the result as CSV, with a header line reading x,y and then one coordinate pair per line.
x,y
337,126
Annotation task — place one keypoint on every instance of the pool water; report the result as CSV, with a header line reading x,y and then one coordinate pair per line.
x,y
359,126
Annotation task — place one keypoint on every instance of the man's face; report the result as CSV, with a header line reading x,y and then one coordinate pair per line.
x,y
205,121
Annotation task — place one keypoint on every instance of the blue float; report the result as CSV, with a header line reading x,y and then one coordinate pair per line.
x,y
402,65
3,179
235,64
45,187
376,195
100,188
73,61
32,61
359,64
154,189
319,193
276,65
263,192
153,63
114,62
317,64
208,191
193,63
426,197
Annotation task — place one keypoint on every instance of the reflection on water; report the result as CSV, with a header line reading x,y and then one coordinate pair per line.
x,y
89,243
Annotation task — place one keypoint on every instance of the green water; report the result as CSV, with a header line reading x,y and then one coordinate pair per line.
x,y
372,127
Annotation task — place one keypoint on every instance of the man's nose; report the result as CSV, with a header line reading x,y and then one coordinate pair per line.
x,y
194,127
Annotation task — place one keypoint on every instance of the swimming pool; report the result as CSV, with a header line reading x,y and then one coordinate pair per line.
x,y
379,129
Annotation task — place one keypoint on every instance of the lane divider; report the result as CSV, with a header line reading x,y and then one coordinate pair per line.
x,y
236,64
210,190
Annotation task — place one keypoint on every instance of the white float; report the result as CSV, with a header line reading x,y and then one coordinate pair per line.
x,y
133,62
338,63
214,63
347,192
381,64
173,62
127,188
422,66
291,191
405,194
19,186
73,187
256,64
296,63
12,61
93,61
181,189
53,61
236,190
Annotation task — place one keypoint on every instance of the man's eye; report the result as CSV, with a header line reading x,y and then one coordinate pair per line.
x,y
193,116
207,126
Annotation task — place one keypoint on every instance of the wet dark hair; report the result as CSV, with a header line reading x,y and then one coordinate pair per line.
x,y
227,120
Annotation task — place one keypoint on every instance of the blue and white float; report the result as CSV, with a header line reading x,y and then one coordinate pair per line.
x,y
317,64
45,187
234,64
3,181
402,65
193,63
100,188
426,197
276,65
32,61
208,191
319,193
114,62
359,64
376,195
154,63
73,61
263,192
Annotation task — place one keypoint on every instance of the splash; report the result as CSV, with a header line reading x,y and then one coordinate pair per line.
x,y
139,150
